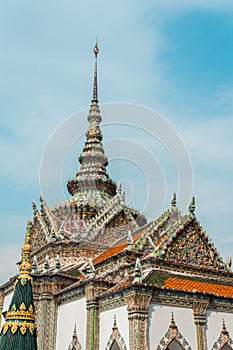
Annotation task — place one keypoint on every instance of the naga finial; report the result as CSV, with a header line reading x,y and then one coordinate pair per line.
x,y
192,206
173,200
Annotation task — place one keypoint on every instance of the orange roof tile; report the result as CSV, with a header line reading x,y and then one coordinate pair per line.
x,y
115,249
189,285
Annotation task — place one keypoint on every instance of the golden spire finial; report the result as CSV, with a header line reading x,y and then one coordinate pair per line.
x,y
25,265
95,88
96,48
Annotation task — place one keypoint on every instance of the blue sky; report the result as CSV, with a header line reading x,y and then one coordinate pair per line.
x,y
172,56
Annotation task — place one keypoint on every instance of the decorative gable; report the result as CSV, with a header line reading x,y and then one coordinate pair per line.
x,y
224,341
173,339
189,244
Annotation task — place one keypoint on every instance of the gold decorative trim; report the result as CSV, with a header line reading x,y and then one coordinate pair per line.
x,y
15,326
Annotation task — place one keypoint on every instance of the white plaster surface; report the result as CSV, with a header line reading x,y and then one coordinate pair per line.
x,y
214,326
6,303
159,321
106,323
68,315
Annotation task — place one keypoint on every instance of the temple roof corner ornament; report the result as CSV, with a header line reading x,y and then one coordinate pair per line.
x,y
173,200
229,262
91,269
192,207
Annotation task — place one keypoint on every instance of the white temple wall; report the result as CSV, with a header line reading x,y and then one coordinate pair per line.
x,y
106,324
68,315
6,303
214,326
159,321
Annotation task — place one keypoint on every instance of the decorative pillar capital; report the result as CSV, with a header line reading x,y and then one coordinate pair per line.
x,y
199,311
137,302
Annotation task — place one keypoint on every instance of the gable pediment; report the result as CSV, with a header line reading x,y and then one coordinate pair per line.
x,y
188,243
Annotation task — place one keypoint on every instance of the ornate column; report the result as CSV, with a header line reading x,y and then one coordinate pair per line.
x,y
199,313
92,325
45,314
138,305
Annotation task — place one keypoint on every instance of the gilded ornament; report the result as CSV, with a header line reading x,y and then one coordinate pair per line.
x,y
23,329
14,328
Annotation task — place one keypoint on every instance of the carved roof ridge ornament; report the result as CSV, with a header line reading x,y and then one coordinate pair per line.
x,y
153,229
115,337
224,339
192,207
50,217
173,200
41,221
171,335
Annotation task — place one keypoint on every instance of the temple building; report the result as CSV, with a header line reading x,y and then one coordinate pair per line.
x,y
95,275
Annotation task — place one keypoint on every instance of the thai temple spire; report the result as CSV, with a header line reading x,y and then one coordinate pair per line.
x,y
92,183
18,331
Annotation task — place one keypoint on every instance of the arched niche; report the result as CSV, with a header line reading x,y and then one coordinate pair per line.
x,y
173,340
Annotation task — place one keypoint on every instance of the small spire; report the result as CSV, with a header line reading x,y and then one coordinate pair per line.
x,y
75,331
173,324
114,323
95,87
224,330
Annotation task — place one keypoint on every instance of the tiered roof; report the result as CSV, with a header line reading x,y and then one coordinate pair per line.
x,y
96,213
175,254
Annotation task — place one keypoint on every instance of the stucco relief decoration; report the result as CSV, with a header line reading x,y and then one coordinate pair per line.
x,y
116,337
173,335
224,341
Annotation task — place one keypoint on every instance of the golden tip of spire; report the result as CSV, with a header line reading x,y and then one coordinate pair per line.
x,y
96,48
25,266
